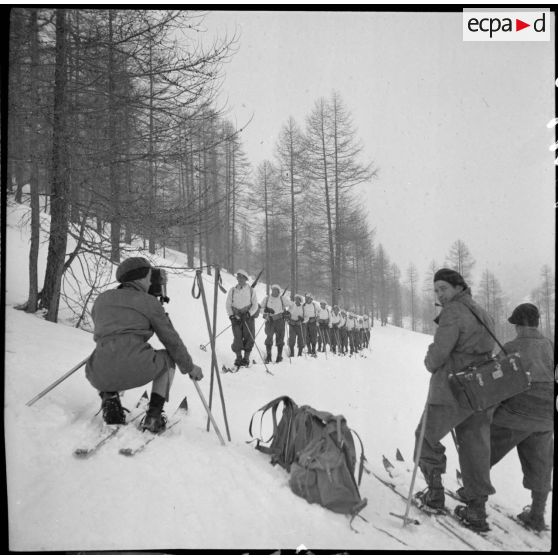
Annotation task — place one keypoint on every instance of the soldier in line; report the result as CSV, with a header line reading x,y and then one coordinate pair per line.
x,y
296,326
343,333
274,309
350,325
242,306
323,327
334,319
310,311
367,324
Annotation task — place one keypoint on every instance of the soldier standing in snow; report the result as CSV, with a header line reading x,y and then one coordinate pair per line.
x,y
125,318
525,421
310,312
334,320
366,326
460,341
343,333
350,325
242,306
296,327
274,307
323,326
360,334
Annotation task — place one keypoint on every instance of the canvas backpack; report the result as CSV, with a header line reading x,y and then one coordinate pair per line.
x,y
318,450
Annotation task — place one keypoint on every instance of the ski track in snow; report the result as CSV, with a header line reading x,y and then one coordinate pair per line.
x,y
185,490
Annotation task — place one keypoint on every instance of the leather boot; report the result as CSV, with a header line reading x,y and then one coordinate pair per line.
x,y
433,496
533,516
155,421
473,514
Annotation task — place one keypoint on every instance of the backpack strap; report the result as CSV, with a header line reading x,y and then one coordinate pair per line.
x,y
361,467
287,401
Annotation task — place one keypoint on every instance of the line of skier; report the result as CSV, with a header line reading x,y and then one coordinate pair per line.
x,y
310,324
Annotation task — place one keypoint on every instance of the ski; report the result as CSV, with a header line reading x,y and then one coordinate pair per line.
x,y
90,449
148,437
110,431
439,516
448,518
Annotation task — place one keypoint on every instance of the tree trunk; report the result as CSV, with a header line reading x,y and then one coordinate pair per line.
x,y
50,297
151,225
294,278
114,186
32,300
328,213
267,278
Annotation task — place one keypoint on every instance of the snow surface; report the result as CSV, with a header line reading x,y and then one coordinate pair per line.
x,y
186,491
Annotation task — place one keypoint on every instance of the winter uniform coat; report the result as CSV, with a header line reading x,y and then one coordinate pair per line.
x,y
125,319
459,341
525,421
534,409
276,303
242,300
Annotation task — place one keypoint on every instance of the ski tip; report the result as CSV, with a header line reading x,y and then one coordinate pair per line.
x,y
184,404
81,452
126,451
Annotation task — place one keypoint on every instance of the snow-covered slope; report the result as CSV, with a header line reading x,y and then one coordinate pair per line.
x,y
186,491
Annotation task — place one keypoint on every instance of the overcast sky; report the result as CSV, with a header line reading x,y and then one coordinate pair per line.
x,y
457,130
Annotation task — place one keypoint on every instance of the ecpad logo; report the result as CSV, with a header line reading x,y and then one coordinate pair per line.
x,y
506,26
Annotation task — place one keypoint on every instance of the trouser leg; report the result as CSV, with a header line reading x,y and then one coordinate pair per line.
x,y
473,438
536,457
248,334
162,383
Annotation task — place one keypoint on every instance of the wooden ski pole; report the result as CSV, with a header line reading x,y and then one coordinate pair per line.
x,y
59,381
214,365
256,345
323,340
203,347
209,415
301,324
418,452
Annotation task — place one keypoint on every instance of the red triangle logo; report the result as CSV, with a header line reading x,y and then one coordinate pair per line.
x,y
519,25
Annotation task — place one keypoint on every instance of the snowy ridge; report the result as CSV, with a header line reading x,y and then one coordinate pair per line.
x,y
186,491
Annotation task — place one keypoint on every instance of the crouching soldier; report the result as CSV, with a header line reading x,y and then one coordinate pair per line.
x,y
242,307
296,327
274,313
125,318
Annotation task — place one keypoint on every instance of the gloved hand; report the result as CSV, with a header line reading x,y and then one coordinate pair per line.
x,y
234,319
300,318
286,314
265,316
196,373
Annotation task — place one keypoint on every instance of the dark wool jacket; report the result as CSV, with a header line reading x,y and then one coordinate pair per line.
x,y
533,409
459,341
125,319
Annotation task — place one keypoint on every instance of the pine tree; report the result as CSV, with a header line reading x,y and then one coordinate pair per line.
x,y
459,259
